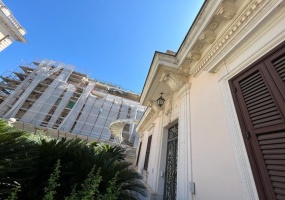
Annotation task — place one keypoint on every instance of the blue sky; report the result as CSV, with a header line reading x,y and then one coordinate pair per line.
x,y
113,41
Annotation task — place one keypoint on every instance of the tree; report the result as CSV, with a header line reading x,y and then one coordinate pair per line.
x,y
18,154
38,156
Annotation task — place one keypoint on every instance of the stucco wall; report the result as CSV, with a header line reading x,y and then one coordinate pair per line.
x,y
213,165
214,171
218,160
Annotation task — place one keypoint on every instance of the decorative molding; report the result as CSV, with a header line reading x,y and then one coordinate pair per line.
x,y
185,90
154,106
177,83
159,60
185,66
248,54
208,36
224,11
7,18
150,129
168,112
173,80
206,14
241,159
251,8
257,20
151,113
198,46
227,10
214,25
195,54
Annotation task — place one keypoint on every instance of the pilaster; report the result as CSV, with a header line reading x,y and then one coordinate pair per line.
x,y
184,167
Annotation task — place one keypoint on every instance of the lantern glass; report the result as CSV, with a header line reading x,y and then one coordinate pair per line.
x,y
160,100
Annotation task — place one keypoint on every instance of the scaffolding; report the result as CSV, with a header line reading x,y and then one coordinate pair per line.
x,y
52,95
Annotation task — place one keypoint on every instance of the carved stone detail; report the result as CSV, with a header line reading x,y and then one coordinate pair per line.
x,y
208,36
194,55
213,25
154,107
168,112
174,81
185,66
199,46
227,10
228,35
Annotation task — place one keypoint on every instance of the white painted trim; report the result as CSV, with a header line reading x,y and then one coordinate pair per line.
x,y
158,151
241,159
260,43
184,165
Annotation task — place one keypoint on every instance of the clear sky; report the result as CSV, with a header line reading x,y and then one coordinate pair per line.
x,y
113,41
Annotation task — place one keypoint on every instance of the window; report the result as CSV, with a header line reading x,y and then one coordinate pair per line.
x,y
70,104
138,158
147,153
259,96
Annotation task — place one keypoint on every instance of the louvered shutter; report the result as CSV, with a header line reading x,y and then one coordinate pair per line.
x,y
259,96
276,65
279,66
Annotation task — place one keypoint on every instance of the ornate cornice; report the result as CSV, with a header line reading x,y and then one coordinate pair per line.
x,y
195,54
224,12
173,80
209,36
205,15
159,60
239,21
227,10
185,66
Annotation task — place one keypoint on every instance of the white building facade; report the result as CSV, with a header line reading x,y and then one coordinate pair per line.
x,y
220,133
10,29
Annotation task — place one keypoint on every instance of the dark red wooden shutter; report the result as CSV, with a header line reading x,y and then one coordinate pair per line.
x,y
258,102
147,153
279,66
259,96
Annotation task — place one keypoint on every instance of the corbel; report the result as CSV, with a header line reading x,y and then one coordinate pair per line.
x,y
173,80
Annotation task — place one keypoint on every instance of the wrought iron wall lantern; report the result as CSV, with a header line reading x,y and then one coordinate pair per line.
x,y
160,101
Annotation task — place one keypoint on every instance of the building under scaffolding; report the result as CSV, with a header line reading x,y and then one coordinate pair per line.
x,y
52,96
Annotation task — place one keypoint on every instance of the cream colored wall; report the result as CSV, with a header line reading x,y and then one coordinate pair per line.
x,y
219,164
213,166
214,171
